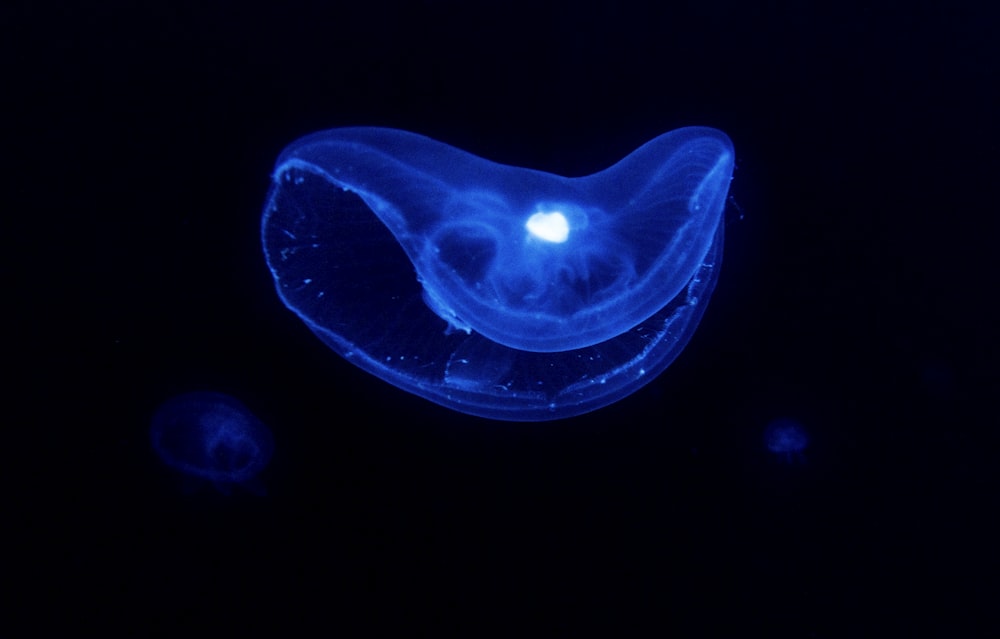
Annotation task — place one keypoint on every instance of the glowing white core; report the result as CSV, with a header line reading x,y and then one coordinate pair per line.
x,y
551,227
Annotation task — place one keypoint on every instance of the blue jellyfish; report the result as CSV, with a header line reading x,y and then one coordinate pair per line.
x,y
213,437
494,290
787,439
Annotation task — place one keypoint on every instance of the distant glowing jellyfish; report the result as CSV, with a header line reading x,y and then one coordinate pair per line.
x,y
213,437
495,290
787,439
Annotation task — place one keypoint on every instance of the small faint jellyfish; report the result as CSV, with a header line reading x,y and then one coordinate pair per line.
x,y
787,439
212,437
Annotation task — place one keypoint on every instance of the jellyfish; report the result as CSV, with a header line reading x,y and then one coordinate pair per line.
x,y
212,437
498,291
787,439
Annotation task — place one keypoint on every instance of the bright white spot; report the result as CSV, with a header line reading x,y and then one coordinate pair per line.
x,y
551,227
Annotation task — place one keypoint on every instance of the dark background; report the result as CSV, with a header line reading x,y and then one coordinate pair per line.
x,y
857,296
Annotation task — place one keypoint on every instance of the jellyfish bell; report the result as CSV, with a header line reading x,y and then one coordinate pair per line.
x,y
787,439
498,291
212,437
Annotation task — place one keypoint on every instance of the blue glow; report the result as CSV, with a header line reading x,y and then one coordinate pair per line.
x,y
549,226
213,437
493,290
787,438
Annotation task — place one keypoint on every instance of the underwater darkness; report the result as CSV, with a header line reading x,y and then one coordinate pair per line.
x,y
855,301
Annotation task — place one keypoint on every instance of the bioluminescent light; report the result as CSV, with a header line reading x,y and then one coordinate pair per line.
x,y
494,290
